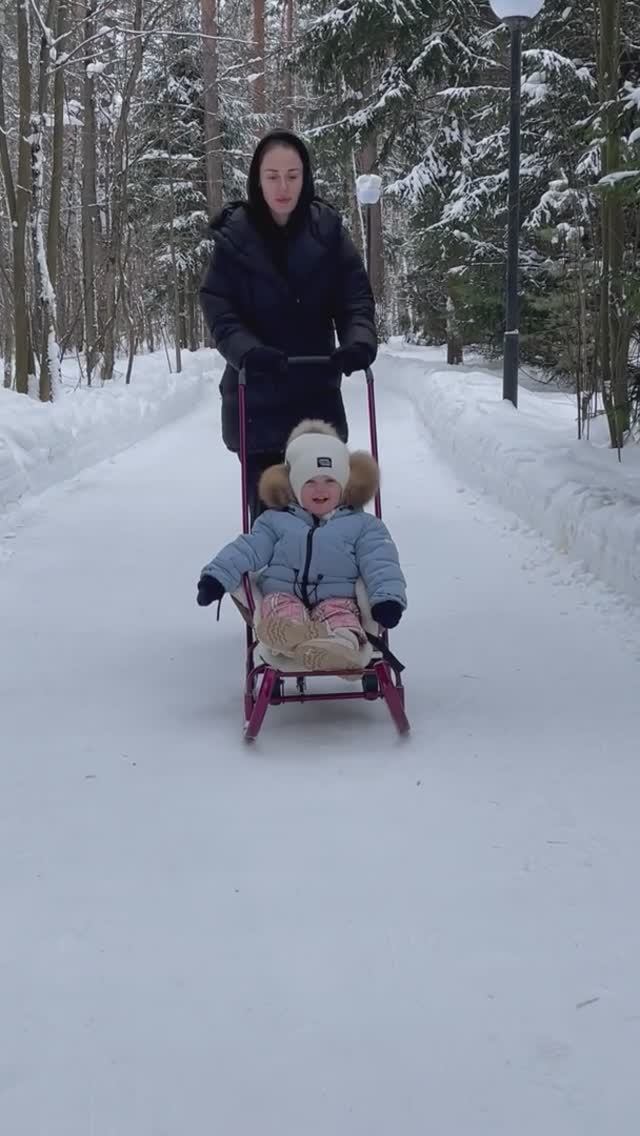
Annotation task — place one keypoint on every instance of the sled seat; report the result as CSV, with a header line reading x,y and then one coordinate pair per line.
x,y
281,662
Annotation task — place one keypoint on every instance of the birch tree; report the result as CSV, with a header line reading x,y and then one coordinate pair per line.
x,y
89,203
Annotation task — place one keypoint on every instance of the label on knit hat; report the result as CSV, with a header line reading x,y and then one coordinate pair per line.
x,y
325,463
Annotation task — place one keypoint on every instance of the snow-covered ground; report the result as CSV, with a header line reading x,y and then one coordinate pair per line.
x,y
333,932
577,494
43,444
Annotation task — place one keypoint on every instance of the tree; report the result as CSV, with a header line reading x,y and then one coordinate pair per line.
x,y
288,93
259,60
89,198
614,324
45,332
377,64
212,124
115,279
19,203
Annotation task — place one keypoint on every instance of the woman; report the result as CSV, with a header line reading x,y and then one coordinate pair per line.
x,y
283,278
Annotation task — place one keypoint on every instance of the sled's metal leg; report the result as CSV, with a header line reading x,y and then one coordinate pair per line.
x,y
261,705
394,698
249,704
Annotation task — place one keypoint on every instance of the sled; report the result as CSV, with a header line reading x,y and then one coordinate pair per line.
x,y
273,680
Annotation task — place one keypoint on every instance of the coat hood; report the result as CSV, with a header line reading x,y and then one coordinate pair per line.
x,y
255,198
364,475
237,218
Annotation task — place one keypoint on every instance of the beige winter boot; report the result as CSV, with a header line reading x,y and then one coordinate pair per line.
x,y
339,651
285,636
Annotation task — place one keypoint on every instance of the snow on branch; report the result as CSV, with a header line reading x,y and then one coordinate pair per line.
x,y
465,94
618,179
346,17
435,43
559,198
590,164
427,174
552,63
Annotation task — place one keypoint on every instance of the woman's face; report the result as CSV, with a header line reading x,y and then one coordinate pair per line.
x,y
281,176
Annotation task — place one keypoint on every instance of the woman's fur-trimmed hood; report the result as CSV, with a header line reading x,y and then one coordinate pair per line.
x,y
364,477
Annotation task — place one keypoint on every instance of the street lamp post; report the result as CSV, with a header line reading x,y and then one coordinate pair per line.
x,y
517,15
368,190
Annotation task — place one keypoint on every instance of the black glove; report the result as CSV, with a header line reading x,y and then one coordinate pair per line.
x,y
387,613
357,357
209,590
265,361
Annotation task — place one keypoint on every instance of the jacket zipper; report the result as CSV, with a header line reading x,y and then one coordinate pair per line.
x,y
304,583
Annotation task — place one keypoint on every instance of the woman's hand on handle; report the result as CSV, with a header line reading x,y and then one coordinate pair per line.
x,y
265,361
355,357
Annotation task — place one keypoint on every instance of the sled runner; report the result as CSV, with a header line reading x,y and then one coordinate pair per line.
x,y
272,680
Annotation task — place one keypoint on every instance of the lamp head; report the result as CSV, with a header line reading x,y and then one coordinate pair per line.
x,y
368,189
524,10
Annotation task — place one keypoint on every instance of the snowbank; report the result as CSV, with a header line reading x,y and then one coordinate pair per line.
x,y
41,444
575,493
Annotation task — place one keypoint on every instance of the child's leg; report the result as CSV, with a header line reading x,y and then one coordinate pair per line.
x,y
344,636
341,619
284,623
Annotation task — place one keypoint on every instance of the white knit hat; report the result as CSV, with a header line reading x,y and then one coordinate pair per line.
x,y
316,455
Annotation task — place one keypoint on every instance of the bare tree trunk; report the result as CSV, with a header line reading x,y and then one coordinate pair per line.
x,y
6,309
289,76
368,162
212,125
115,273
146,326
45,327
8,305
23,349
182,326
258,63
131,325
89,202
615,326
57,164
172,237
454,337
194,308
405,290
7,354
584,393
70,275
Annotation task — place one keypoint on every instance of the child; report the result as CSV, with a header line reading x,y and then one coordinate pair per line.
x,y
310,546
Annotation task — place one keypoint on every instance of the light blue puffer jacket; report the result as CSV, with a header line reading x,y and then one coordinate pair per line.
x,y
314,559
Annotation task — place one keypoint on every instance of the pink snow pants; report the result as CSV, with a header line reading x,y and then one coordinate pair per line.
x,y
337,614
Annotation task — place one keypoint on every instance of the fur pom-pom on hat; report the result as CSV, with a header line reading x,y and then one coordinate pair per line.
x,y
315,450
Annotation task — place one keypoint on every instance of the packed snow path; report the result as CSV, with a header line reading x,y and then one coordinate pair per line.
x,y
334,932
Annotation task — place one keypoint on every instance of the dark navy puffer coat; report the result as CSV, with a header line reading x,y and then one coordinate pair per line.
x,y
295,302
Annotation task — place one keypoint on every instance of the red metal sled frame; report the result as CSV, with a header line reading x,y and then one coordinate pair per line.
x,y
265,684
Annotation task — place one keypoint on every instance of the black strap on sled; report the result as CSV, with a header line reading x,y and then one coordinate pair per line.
x,y
388,655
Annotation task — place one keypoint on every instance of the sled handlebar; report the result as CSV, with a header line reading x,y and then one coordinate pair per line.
x,y
306,361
